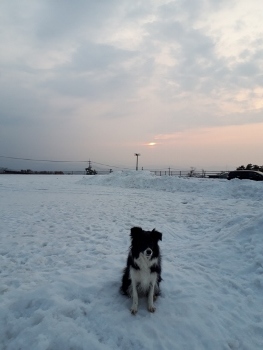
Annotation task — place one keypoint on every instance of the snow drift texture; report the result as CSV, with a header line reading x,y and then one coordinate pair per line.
x,y
64,242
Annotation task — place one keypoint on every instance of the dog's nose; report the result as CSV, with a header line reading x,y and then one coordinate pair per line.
x,y
148,251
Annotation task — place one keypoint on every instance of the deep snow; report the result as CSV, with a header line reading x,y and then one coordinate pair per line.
x,y
64,243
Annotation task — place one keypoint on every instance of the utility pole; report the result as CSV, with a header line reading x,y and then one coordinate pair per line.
x,y
137,155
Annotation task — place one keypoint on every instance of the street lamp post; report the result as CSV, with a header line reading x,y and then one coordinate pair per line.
x,y
137,155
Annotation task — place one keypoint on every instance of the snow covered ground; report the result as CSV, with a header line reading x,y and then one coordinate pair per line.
x,y
64,242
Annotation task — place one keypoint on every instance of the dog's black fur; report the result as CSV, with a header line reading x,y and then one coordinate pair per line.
x,y
142,274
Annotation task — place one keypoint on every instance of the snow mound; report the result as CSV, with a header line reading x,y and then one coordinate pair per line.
x,y
146,180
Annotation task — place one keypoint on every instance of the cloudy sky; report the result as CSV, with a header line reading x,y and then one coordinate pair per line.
x,y
180,82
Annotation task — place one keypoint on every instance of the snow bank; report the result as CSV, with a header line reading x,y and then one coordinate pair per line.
x,y
201,186
63,246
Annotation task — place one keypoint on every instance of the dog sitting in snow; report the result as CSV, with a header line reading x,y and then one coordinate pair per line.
x,y
142,275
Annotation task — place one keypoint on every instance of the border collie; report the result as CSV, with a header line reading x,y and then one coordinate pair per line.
x,y
142,275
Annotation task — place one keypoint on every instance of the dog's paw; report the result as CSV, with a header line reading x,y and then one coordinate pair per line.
x,y
151,308
133,311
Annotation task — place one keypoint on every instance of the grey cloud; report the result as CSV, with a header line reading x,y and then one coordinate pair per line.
x,y
189,11
21,106
92,87
198,66
137,10
179,8
259,54
247,69
98,71
193,51
91,56
64,18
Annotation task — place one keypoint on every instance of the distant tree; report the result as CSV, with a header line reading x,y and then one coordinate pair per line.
x,y
251,167
255,167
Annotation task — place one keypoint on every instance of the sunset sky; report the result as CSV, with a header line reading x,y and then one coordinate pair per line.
x,y
180,82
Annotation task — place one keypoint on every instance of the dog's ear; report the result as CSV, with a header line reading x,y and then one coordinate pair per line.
x,y
135,231
157,235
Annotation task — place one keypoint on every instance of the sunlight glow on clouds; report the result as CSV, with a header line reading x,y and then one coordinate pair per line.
x,y
249,134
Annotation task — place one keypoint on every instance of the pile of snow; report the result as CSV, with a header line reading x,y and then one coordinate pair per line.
x,y
201,186
64,242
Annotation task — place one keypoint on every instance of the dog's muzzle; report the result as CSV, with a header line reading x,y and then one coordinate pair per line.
x,y
148,253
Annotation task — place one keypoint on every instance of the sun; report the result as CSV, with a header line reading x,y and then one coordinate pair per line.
x,y
151,144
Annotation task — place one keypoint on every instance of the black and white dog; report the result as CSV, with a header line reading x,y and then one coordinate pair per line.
x,y
142,275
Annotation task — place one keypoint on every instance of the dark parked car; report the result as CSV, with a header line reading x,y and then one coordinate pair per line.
x,y
222,175
245,175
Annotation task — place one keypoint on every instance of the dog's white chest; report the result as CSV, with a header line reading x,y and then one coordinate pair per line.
x,y
143,277
144,263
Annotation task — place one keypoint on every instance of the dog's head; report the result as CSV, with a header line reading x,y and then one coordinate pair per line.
x,y
145,242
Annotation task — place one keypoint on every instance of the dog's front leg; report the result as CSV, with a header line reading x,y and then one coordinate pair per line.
x,y
135,298
151,307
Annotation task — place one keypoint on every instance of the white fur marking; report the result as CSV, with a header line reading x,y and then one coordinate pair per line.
x,y
143,281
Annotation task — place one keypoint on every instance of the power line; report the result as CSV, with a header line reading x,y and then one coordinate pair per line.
x,y
112,166
63,161
46,160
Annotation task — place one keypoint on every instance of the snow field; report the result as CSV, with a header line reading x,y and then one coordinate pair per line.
x,y
64,243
